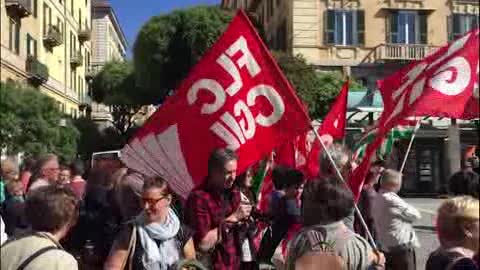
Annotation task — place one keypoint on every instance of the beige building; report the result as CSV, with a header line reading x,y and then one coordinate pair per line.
x,y
46,43
108,44
356,35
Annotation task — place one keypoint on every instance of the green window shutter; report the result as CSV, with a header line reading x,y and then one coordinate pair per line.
x,y
393,28
450,27
28,45
360,27
423,28
329,24
457,26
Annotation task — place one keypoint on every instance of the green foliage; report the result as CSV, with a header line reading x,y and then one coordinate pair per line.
x,y
30,123
167,46
94,140
115,86
316,89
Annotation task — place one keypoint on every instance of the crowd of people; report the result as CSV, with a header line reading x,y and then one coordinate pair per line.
x,y
120,219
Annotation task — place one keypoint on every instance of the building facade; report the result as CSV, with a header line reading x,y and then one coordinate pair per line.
x,y
46,43
359,36
108,44
369,40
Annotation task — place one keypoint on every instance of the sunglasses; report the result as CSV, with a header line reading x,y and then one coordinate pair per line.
x,y
152,201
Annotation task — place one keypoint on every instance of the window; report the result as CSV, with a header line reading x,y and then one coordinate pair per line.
x,y
80,18
86,2
31,46
460,24
80,85
344,27
47,18
61,2
34,7
60,25
14,36
71,8
407,27
73,44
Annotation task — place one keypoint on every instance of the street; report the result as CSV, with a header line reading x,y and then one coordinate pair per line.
x,y
425,228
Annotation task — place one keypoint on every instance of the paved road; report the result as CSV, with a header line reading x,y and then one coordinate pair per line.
x,y
425,228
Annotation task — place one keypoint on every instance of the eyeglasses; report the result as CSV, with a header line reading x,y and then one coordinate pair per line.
x,y
152,201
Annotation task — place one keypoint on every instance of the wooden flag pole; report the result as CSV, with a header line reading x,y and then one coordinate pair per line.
x,y
410,144
339,174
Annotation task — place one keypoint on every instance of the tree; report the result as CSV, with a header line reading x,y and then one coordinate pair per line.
x,y
30,123
168,45
115,86
94,140
316,89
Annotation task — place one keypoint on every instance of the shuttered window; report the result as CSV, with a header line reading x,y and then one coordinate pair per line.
x,y
31,46
459,24
407,27
344,27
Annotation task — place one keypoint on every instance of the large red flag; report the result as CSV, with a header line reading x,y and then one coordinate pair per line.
x,y
332,128
235,97
444,84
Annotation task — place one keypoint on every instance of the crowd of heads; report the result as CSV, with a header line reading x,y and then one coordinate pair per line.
x,y
55,208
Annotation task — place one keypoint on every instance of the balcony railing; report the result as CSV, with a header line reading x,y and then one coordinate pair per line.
x,y
76,59
84,34
19,8
406,52
53,36
36,70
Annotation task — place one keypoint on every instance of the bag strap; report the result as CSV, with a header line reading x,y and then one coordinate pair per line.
x,y
34,256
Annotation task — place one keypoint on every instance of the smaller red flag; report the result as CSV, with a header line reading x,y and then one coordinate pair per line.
x,y
334,123
333,127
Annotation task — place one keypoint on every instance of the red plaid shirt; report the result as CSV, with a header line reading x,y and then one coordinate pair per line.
x,y
205,211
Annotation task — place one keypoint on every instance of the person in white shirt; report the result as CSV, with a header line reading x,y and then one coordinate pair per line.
x,y
393,218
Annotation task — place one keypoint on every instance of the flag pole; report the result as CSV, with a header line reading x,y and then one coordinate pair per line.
x,y
410,144
339,174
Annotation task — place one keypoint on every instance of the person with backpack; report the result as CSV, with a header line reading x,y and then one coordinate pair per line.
x,y
51,212
458,233
325,236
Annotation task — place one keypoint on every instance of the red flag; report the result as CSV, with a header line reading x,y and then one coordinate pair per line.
x,y
333,127
440,85
444,84
334,123
235,97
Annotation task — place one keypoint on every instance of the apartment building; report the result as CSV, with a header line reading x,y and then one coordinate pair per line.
x,y
46,43
108,44
369,40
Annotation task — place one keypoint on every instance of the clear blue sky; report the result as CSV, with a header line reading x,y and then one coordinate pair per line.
x,y
132,14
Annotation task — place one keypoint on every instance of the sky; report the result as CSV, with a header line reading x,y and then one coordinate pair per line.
x,y
132,14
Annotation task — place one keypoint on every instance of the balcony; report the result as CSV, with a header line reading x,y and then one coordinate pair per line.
x,y
37,71
84,34
76,59
53,37
19,8
405,52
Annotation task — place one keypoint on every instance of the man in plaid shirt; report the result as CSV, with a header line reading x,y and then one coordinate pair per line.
x,y
213,209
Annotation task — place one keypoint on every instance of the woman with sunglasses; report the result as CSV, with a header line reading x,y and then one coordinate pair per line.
x,y
155,240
